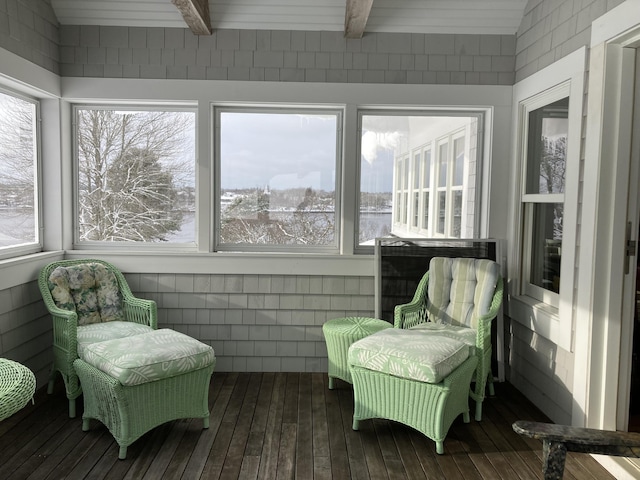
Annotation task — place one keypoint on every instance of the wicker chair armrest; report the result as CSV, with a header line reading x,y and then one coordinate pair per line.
x,y
410,314
140,310
65,331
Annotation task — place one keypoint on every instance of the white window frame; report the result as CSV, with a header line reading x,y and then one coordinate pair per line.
x,y
218,246
37,245
133,245
551,315
530,200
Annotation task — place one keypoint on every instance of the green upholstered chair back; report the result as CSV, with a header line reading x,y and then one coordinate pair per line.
x,y
90,289
461,290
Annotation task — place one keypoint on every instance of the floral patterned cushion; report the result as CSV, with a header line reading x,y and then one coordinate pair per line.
x,y
99,332
409,354
89,289
150,356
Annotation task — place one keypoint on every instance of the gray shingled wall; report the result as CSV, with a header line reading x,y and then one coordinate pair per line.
x,y
551,29
286,56
29,28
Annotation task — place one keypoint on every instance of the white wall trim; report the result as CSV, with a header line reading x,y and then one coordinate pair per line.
x,y
27,77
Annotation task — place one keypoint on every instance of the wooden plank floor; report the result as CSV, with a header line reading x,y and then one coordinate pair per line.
x,y
278,425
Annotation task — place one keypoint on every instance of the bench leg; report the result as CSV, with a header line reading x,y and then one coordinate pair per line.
x,y
553,457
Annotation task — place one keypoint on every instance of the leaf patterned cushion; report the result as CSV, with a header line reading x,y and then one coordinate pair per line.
x,y
89,289
409,354
150,356
99,332
461,289
464,334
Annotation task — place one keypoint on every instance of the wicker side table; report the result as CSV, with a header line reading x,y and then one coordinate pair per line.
x,y
17,386
339,334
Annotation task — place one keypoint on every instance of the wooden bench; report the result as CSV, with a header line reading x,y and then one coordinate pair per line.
x,y
557,440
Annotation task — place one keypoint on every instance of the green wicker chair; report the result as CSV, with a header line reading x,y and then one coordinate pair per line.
x,y
89,301
458,298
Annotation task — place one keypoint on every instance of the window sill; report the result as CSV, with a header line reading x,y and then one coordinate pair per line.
x,y
248,263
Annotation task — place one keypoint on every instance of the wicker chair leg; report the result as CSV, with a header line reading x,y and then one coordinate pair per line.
x,y
122,453
330,383
72,408
440,447
356,424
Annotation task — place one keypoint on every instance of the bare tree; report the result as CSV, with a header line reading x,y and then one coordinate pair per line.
x,y
248,219
17,170
131,166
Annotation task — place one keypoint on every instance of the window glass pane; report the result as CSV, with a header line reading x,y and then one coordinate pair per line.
x,y
427,169
457,214
442,199
443,162
18,164
136,175
546,245
547,148
281,169
458,161
425,217
389,143
416,171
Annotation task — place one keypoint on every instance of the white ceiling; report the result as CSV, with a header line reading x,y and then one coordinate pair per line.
x,y
405,16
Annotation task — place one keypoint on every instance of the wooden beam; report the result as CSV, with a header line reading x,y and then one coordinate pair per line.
x,y
356,16
196,15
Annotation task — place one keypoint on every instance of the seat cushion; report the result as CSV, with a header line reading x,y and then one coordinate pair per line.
x,y
149,356
409,354
461,290
464,334
100,332
89,289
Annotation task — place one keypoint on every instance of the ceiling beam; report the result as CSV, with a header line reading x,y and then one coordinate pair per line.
x,y
356,16
196,15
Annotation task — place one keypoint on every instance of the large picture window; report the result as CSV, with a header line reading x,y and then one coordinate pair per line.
x,y
277,179
135,175
18,174
433,158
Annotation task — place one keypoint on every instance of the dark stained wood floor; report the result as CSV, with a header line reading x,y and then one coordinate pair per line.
x,y
278,425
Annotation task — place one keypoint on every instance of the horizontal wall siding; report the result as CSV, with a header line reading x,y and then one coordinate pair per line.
x,y
541,370
25,329
286,56
551,29
257,323
29,28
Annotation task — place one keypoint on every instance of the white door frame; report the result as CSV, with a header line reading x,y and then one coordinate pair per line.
x,y
599,304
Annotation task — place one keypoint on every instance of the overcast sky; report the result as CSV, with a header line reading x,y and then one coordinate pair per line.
x,y
278,150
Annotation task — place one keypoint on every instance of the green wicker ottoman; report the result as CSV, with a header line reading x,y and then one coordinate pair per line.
x,y
17,386
136,383
417,379
339,334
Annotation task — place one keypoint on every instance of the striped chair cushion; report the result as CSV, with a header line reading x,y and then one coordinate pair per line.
x,y
461,289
